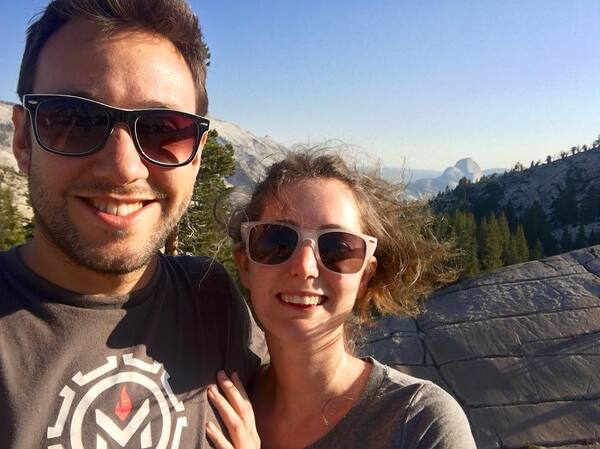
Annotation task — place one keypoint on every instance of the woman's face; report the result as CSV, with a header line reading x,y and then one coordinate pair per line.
x,y
283,295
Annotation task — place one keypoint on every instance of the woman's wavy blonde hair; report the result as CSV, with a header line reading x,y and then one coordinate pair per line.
x,y
411,262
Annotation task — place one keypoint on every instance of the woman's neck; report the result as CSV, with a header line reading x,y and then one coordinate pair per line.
x,y
309,386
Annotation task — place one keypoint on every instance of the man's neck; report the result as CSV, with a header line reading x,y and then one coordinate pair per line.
x,y
55,266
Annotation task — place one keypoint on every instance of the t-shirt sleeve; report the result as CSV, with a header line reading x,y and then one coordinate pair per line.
x,y
435,420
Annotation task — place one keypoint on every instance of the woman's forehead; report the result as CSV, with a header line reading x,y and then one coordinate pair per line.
x,y
314,203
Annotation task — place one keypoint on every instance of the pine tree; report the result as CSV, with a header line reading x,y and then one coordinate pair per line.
x,y
522,250
482,230
590,205
491,253
594,238
199,233
580,238
465,233
566,242
12,231
511,256
505,236
535,225
538,251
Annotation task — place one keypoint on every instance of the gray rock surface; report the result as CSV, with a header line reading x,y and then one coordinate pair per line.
x,y
518,348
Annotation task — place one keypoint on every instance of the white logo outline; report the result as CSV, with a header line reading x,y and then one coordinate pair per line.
x,y
120,436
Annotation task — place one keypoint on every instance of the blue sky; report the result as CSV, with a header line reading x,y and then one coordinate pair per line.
x,y
422,82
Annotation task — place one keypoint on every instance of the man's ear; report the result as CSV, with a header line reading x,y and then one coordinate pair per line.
x,y
241,261
203,140
197,160
21,138
368,273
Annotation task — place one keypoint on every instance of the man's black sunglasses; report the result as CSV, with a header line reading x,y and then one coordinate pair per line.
x,y
75,126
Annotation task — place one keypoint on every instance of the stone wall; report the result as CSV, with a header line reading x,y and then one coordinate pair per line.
x,y
518,348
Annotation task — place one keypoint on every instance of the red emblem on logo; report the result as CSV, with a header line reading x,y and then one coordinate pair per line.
x,y
123,407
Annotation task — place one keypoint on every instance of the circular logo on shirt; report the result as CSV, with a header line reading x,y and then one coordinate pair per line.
x,y
124,403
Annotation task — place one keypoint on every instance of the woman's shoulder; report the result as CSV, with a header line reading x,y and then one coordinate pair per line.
x,y
385,380
427,413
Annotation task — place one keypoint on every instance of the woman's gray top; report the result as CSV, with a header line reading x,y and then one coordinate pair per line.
x,y
398,411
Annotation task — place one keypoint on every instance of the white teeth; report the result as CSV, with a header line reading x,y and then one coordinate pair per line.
x,y
112,209
302,299
119,209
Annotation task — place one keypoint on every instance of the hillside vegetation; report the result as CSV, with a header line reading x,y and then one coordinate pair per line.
x,y
524,214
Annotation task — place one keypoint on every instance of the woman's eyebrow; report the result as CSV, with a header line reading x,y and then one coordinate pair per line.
x,y
297,224
288,221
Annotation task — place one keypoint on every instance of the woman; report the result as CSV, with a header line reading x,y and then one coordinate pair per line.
x,y
320,246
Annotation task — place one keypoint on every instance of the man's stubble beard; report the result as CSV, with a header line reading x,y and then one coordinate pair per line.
x,y
62,233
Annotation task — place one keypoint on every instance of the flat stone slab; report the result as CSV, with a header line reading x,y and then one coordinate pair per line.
x,y
549,424
498,300
519,348
511,380
556,332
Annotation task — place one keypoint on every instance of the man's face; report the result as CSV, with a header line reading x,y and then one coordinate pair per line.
x,y
109,211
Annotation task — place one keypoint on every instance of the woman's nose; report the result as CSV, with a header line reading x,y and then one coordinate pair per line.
x,y
304,263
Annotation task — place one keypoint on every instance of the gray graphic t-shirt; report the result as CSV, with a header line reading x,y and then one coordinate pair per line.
x,y
118,372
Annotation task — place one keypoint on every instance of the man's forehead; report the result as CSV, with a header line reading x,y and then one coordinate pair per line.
x,y
138,103
142,69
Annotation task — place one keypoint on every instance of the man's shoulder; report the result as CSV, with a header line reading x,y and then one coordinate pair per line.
x,y
193,266
11,267
203,275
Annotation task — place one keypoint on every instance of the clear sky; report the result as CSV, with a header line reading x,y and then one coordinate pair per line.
x,y
500,81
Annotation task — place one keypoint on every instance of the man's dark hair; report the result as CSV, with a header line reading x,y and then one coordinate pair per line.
x,y
171,19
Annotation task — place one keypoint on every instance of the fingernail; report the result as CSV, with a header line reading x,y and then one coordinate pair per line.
x,y
235,376
222,375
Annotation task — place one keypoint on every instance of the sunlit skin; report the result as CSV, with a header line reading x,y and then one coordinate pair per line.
x,y
311,380
75,245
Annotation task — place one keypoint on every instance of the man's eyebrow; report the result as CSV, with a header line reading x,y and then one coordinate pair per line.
x,y
141,104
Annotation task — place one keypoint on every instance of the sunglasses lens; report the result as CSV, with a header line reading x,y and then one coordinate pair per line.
x,y
71,126
167,137
342,252
271,244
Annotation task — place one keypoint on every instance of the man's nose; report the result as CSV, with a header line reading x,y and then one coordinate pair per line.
x,y
119,160
304,262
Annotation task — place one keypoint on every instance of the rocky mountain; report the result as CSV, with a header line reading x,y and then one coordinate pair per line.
x,y
428,187
252,154
566,190
518,348
6,132
408,175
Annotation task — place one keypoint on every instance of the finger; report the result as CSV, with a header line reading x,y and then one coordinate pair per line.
x,y
217,437
249,418
238,400
238,432
239,385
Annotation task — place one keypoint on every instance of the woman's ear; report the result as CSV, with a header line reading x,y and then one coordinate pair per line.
x,y
21,139
241,261
368,273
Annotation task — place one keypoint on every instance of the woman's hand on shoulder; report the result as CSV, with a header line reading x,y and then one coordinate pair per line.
x,y
236,412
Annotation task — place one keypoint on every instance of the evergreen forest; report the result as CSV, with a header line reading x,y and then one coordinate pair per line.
x,y
492,230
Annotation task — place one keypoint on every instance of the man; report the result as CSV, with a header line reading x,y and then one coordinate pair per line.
x,y
104,342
